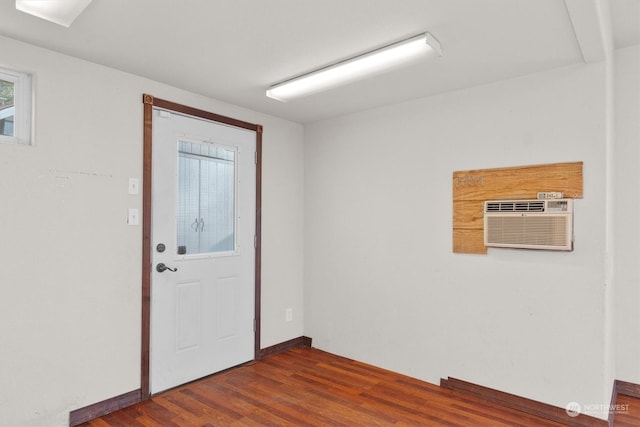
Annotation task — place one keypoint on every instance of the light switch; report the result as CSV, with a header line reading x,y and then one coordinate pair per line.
x,y
134,186
133,217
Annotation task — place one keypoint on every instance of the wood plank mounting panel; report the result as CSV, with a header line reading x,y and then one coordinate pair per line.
x,y
471,188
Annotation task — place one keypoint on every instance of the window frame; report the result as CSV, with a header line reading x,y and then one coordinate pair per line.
x,y
23,106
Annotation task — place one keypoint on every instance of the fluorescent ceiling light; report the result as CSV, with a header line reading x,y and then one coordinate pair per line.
x,y
354,68
61,12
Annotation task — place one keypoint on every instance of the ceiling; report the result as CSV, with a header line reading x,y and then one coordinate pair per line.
x,y
233,50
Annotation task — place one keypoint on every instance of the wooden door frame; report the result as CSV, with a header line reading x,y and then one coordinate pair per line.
x,y
149,102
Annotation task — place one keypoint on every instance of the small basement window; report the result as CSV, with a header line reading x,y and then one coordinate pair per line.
x,y
15,107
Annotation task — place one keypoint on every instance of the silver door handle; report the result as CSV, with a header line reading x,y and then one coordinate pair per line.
x,y
161,268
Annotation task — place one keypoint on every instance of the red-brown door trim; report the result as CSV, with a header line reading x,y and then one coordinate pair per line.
x,y
150,102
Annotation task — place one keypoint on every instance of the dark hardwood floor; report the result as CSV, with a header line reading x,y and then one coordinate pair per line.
x,y
309,387
628,411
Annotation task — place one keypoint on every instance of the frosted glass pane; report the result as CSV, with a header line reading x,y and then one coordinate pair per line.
x,y
188,201
206,198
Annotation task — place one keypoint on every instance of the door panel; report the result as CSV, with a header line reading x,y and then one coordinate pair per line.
x,y
202,314
227,307
188,315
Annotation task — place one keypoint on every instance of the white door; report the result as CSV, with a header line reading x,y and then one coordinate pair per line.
x,y
203,227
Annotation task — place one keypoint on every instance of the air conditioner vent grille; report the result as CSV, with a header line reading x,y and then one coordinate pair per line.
x,y
530,231
515,206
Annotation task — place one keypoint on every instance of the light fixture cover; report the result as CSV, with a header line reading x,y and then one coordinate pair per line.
x,y
366,64
61,12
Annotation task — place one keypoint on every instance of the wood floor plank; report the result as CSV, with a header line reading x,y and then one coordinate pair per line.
x,y
627,411
301,400
309,387
117,419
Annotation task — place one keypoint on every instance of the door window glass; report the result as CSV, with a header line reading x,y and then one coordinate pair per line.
x,y
206,198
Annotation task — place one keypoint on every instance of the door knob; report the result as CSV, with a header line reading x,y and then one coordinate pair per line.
x,y
161,267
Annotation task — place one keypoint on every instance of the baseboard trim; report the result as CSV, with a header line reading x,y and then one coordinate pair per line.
x,y
286,345
105,407
523,404
627,388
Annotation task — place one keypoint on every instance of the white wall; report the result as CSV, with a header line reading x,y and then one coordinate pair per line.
x,y
70,266
381,282
627,213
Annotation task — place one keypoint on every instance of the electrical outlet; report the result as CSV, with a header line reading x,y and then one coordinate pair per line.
x,y
288,315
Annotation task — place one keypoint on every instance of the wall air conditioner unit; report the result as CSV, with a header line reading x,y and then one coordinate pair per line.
x,y
529,224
